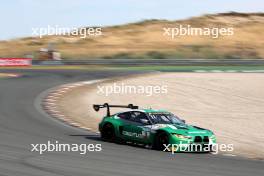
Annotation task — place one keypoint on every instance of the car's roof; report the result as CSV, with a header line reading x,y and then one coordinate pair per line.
x,y
154,110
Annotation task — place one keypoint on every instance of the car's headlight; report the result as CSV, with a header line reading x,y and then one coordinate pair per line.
x,y
182,136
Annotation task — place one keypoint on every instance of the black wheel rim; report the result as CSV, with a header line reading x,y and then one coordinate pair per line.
x,y
163,139
108,132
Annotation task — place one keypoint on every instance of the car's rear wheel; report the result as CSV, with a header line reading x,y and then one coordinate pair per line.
x,y
108,133
161,140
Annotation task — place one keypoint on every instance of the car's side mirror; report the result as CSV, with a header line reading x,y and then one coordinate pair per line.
x,y
144,121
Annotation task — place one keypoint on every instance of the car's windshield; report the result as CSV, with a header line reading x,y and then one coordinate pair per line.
x,y
164,118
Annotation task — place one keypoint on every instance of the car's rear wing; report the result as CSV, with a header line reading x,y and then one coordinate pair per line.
x,y
97,107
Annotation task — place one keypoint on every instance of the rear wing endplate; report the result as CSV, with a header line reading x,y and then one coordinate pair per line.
x,y
97,107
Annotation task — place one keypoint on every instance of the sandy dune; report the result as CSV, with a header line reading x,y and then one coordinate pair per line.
x,y
231,104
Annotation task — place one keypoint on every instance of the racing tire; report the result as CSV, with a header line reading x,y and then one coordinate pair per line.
x,y
161,139
108,133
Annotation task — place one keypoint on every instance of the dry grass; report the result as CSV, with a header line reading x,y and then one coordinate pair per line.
x,y
145,40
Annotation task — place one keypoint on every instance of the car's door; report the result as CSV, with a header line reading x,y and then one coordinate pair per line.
x,y
125,129
139,126
132,127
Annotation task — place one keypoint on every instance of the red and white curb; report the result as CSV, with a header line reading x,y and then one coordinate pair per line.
x,y
49,103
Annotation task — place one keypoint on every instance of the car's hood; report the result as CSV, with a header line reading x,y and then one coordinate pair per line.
x,y
183,129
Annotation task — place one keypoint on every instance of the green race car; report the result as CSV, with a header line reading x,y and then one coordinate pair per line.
x,y
159,129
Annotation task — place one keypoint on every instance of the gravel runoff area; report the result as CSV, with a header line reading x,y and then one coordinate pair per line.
x,y
230,104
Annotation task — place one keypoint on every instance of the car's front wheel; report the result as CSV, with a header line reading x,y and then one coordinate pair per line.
x,y
161,140
108,133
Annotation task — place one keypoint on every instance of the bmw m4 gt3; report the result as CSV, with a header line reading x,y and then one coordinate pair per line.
x,y
159,129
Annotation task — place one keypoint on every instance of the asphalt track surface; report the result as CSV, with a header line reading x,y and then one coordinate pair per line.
x,y
22,124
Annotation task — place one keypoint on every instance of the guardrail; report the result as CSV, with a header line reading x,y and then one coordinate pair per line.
x,y
144,62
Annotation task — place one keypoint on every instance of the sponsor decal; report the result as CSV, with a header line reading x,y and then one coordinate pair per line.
x,y
158,126
143,134
172,127
15,62
196,132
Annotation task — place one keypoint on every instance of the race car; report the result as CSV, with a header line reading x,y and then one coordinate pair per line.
x,y
159,129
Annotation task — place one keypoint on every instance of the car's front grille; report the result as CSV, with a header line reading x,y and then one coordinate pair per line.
x,y
206,139
198,139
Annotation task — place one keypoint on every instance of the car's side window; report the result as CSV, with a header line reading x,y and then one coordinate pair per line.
x,y
136,116
125,115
